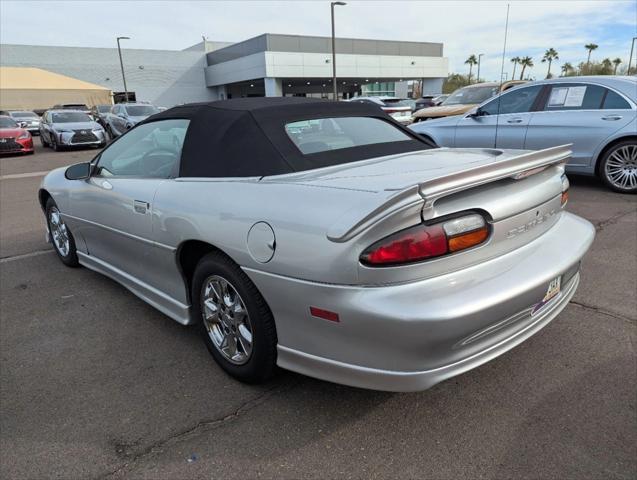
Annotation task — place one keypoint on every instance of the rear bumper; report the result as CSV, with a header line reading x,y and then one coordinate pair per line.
x,y
405,381
411,336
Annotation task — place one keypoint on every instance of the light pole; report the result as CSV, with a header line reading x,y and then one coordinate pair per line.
x,y
334,50
121,64
478,75
630,59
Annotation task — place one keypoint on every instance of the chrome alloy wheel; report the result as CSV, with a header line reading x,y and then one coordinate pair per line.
x,y
621,167
226,319
59,232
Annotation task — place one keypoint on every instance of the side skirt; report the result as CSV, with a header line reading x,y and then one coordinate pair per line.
x,y
162,302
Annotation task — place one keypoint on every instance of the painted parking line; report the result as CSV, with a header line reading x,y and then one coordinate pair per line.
x,y
23,175
25,255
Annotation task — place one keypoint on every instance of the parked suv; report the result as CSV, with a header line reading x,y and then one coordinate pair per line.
x,y
125,116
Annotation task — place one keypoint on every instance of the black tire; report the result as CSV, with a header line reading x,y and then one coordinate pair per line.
x,y
628,146
70,258
54,144
43,142
261,363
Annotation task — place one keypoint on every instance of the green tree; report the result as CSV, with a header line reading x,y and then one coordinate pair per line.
x,y
549,56
525,62
567,69
453,82
616,62
607,66
515,61
471,61
590,47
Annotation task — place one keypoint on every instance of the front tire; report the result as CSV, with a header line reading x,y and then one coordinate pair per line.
x,y
618,167
61,236
43,142
236,323
54,144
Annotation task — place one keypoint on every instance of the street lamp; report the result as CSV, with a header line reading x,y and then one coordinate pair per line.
x,y
121,64
334,49
630,59
479,58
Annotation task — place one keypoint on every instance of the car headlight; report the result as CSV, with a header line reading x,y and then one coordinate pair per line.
x,y
24,136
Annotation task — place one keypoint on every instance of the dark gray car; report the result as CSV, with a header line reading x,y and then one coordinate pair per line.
x,y
123,117
69,128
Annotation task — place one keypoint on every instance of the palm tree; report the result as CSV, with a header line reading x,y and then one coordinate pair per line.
x,y
471,61
549,56
590,47
607,65
566,69
525,62
616,62
515,61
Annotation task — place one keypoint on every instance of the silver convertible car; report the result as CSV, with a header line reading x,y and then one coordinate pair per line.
x,y
325,238
598,115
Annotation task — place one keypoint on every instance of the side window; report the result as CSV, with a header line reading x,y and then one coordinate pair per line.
x,y
515,101
152,150
614,101
574,97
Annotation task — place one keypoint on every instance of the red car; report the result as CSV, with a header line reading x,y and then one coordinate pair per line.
x,y
14,139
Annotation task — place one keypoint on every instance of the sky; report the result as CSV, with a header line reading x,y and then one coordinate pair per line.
x,y
464,27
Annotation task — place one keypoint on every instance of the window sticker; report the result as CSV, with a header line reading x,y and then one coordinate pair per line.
x,y
575,97
558,95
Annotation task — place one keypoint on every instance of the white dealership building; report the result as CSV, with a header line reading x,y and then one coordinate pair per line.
x,y
267,65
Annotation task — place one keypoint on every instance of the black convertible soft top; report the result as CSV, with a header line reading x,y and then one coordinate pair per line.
x,y
246,137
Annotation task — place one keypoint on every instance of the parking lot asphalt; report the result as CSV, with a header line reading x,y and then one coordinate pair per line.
x,y
94,383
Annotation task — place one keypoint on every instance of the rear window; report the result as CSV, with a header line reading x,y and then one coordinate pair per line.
x,y
321,135
575,97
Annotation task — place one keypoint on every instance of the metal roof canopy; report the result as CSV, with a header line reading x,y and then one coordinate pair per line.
x,y
34,88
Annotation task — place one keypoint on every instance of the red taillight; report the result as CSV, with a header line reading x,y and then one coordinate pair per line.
x,y
427,241
407,246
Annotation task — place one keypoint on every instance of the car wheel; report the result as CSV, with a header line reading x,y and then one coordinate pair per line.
x,y
236,322
61,236
43,142
618,167
54,144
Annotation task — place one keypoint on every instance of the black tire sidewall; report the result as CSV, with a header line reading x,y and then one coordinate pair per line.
x,y
604,160
262,362
71,259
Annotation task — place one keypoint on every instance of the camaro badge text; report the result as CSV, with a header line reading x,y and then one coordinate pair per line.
x,y
529,225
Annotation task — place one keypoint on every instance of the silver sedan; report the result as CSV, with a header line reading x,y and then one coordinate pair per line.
x,y
598,115
325,238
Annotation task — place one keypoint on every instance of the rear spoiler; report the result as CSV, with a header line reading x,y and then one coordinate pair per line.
x,y
359,218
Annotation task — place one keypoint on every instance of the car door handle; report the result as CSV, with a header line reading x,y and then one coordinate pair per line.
x,y
515,120
612,117
140,206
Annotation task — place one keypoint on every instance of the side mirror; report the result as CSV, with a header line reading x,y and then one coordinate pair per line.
x,y
79,171
477,113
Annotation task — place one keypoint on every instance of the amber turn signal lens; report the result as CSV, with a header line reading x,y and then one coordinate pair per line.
x,y
468,240
564,197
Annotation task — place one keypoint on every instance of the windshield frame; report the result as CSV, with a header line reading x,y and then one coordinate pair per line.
x,y
131,114
8,119
81,117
